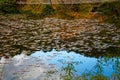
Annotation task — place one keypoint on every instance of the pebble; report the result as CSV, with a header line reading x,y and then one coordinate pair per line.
x,y
79,34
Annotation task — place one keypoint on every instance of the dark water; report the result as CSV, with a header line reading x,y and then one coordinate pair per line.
x,y
76,64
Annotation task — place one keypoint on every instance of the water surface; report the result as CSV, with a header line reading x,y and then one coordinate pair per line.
x,y
54,64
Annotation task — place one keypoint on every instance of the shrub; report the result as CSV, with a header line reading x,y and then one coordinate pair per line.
x,y
71,11
48,10
38,10
110,8
33,8
111,11
1,4
8,6
3,1
83,9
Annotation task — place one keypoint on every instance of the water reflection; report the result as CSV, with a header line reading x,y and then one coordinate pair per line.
x,y
59,62
62,58
80,62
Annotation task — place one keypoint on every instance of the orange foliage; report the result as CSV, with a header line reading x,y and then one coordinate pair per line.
x,y
97,16
75,14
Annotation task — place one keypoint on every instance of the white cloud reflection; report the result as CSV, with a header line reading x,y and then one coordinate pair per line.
x,y
39,64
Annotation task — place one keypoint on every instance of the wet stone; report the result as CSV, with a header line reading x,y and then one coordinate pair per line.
x,y
79,34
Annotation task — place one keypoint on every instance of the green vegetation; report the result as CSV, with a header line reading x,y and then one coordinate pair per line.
x,y
69,72
98,77
95,73
68,11
8,6
3,1
38,9
33,11
59,10
1,4
111,12
71,11
83,9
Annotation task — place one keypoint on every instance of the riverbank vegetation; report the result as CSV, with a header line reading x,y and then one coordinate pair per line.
x,y
111,12
105,12
84,32
69,11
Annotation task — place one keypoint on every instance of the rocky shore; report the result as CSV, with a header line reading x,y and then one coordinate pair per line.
x,y
87,36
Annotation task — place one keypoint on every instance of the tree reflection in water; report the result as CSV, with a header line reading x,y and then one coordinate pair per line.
x,y
98,72
72,65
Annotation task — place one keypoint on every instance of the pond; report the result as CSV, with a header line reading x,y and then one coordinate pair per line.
x,y
83,49
60,65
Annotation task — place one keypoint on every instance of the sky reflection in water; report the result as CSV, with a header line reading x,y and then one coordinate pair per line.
x,y
38,64
81,63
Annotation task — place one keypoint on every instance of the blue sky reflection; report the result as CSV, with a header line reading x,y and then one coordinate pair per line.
x,y
80,62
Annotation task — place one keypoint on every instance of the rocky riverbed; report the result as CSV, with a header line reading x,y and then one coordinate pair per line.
x,y
88,36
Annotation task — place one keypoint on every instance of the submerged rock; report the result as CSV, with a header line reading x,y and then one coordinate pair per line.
x,y
81,35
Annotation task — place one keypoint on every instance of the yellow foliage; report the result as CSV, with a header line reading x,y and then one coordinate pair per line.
x,y
34,8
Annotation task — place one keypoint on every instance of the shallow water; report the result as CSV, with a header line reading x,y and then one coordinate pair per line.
x,y
51,65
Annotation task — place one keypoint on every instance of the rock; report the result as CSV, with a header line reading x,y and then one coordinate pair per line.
x,y
78,34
